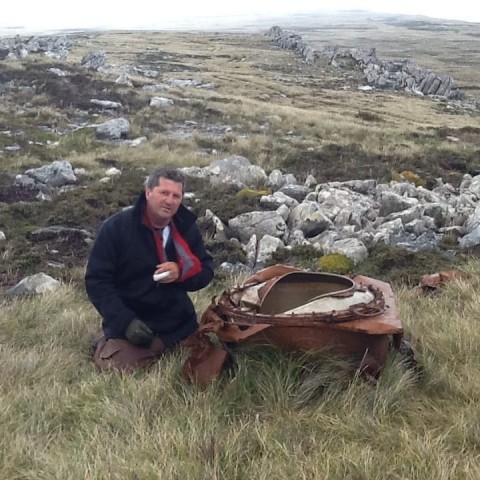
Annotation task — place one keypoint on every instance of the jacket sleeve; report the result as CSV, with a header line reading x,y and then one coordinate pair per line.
x,y
197,246
102,269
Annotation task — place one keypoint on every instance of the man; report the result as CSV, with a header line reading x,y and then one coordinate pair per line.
x,y
144,315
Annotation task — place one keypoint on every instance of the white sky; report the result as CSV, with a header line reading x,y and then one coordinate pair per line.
x,y
59,14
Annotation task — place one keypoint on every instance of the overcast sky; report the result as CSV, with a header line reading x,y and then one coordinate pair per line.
x,y
57,14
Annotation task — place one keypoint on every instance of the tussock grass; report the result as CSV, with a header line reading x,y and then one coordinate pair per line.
x,y
274,415
161,150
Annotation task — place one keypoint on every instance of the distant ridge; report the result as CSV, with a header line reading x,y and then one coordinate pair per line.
x,y
234,23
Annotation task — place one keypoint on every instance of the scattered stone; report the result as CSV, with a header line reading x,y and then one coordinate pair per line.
x,y
113,172
57,174
95,60
34,284
237,169
57,72
13,148
136,142
43,197
124,79
161,102
106,104
58,232
114,129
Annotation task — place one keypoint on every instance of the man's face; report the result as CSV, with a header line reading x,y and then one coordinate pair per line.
x,y
163,201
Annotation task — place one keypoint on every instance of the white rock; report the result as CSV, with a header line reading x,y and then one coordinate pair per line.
x,y
34,284
113,172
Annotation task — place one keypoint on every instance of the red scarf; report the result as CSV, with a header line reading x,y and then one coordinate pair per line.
x,y
188,263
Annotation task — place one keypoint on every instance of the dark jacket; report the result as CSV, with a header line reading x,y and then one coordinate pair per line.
x,y
119,277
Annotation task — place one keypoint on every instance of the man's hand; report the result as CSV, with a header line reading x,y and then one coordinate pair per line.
x,y
139,333
171,268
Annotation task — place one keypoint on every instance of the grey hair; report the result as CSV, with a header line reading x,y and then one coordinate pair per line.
x,y
170,173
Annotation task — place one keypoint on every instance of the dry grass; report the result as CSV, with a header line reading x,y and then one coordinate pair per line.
x,y
262,93
278,416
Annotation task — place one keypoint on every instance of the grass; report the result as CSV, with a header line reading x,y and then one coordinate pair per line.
x,y
276,415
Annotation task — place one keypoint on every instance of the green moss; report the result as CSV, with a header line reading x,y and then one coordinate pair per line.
x,y
249,194
335,263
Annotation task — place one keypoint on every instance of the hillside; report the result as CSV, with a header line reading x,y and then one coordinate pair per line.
x,y
84,116
232,93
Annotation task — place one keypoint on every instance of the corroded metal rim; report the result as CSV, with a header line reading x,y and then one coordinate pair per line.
x,y
234,314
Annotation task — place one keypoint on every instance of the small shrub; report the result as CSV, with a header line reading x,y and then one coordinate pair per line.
x,y
414,178
79,141
368,116
301,256
449,240
226,251
400,266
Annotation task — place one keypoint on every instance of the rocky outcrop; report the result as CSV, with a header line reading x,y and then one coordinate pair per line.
x,y
292,41
98,61
344,217
114,129
55,46
336,217
57,174
394,75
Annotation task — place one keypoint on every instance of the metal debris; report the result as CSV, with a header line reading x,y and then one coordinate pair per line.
x,y
298,310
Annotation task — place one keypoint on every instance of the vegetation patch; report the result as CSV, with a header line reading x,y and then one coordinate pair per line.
x,y
222,200
226,251
10,193
248,194
301,256
404,267
368,116
335,263
409,176
82,208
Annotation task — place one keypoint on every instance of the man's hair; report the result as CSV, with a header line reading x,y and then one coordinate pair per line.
x,y
170,173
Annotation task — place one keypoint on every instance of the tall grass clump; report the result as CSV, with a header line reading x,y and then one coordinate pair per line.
x,y
272,415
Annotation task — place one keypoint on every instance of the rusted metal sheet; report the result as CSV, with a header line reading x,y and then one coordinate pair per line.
x,y
439,279
257,312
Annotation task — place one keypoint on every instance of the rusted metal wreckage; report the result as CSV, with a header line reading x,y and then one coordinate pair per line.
x,y
298,310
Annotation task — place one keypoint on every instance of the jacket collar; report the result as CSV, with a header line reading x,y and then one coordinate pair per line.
x,y
182,219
